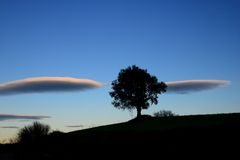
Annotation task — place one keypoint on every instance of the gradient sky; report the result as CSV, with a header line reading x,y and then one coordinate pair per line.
x,y
93,39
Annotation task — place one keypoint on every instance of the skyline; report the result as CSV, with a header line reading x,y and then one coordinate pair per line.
x,y
175,41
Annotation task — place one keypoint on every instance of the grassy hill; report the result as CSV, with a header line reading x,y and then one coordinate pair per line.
x,y
150,130
153,124
198,134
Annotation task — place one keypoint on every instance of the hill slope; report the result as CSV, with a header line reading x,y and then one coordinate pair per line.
x,y
152,124
182,135
150,130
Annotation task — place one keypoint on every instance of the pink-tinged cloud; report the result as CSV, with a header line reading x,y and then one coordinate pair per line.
x,y
189,86
47,84
21,116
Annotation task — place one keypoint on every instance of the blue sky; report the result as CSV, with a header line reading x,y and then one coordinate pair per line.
x,y
173,40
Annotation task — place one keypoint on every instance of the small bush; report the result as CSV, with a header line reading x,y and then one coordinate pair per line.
x,y
33,133
56,137
56,133
164,113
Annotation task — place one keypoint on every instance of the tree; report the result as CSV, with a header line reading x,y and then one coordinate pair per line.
x,y
33,133
136,89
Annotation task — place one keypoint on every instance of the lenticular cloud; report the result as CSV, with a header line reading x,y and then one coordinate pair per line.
x,y
47,84
75,126
68,84
9,127
189,86
21,116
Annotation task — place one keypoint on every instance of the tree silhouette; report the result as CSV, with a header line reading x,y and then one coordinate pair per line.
x,y
136,89
33,133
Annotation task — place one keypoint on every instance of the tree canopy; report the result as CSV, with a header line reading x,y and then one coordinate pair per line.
x,y
136,89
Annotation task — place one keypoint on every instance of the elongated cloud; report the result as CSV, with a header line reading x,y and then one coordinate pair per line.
x,y
189,86
9,127
76,126
21,116
47,84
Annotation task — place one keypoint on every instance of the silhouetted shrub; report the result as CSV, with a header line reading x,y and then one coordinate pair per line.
x,y
33,133
56,133
56,137
164,113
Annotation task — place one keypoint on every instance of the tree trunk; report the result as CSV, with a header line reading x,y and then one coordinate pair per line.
x,y
139,109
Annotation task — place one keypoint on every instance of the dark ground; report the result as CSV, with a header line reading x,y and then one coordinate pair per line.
x,y
199,135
